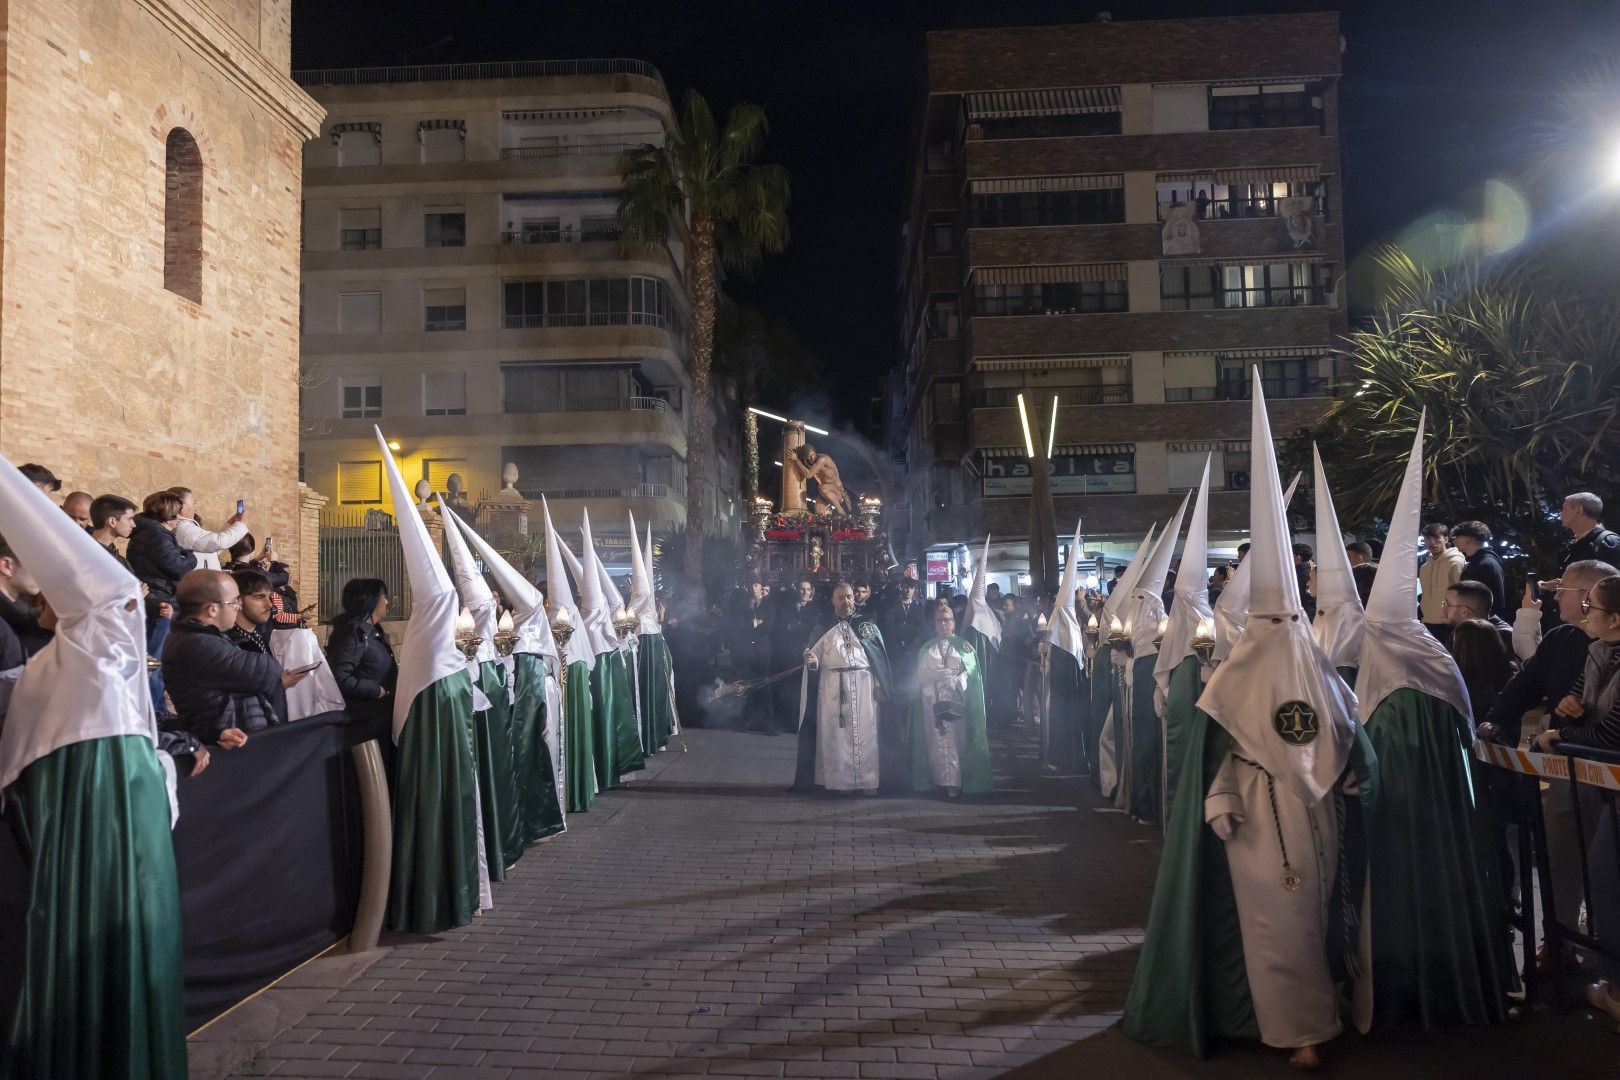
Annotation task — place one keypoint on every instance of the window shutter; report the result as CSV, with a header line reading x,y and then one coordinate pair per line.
x,y
444,297
443,391
436,471
360,219
360,313
360,481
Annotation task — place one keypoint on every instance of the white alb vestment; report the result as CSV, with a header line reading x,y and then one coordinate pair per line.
x,y
846,712
944,684
1285,930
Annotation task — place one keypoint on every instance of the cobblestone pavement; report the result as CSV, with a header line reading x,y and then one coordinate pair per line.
x,y
705,922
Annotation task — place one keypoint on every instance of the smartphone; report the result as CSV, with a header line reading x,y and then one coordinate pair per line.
x,y
269,541
1535,586
306,667
240,506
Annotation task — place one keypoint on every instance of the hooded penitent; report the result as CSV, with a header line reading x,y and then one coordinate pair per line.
x,y
618,735
1338,625
1099,738
1141,743
440,878
1113,606
1066,629
1232,609
1277,663
537,730
655,672
1191,608
579,746
643,604
1145,607
99,984
1065,706
979,615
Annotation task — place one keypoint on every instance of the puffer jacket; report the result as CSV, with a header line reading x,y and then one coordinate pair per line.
x,y
157,558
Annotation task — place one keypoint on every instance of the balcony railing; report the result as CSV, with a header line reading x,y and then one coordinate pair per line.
x,y
612,149
604,318
1236,206
1000,397
635,491
543,234
1239,390
568,404
513,69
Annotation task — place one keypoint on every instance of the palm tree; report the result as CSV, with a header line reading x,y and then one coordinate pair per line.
x,y
1521,382
736,211
757,354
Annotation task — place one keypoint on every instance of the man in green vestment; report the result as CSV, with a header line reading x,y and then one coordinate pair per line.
x,y
88,793
950,747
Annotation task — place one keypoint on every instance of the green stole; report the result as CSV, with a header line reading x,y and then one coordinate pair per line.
x,y
579,743
497,780
655,685
538,813
1181,701
1439,949
1102,699
434,885
1146,752
987,652
101,989
977,777
1067,704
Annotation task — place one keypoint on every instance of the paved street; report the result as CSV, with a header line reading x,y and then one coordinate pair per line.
x,y
704,922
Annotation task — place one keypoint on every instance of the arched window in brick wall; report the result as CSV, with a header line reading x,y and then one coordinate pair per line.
x,y
182,215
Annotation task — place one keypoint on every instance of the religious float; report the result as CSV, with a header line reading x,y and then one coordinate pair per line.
x,y
829,537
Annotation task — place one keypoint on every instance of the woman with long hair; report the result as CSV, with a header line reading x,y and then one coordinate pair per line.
x,y
1486,663
357,650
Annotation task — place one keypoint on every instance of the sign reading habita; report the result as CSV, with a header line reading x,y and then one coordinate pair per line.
x,y
1072,474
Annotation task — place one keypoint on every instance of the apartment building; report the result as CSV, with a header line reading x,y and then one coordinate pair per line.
x,y
466,286
1128,217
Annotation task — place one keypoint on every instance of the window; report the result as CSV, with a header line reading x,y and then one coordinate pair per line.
x,y
1287,284
587,302
944,480
444,228
442,140
1095,206
1049,127
1049,298
941,237
535,231
1187,467
182,215
444,309
600,230
437,472
1266,105
358,144
944,316
359,313
362,399
939,157
360,482
1282,377
360,230
444,393
1242,200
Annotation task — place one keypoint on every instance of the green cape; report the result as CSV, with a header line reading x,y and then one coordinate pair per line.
x,y
101,986
1181,701
1067,703
655,686
877,658
579,739
1102,699
1146,758
975,752
435,873
497,781
538,812
1191,988
1439,945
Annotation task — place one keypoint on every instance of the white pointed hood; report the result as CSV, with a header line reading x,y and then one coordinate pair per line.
x,y
1338,625
595,604
1396,652
89,681
652,580
642,602
579,649
474,591
528,607
615,599
429,651
1144,609
1066,631
1232,608
979,615
1122,592
1192,590
1284,705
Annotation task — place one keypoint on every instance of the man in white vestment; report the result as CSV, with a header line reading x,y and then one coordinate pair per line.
x,y
848,671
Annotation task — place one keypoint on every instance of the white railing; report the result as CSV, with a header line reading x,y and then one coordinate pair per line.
x,y
511,69
572,150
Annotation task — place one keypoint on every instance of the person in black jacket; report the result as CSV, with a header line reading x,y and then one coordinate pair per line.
x,y
797,622
20,602
1482,564
154,555
358,653
221,693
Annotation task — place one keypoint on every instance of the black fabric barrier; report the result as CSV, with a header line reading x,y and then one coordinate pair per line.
x,y
268,849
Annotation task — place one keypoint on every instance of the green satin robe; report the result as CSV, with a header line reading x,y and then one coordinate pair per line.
x,y
579,739
655,687
497,781
974,752
101,989
434,885
538,812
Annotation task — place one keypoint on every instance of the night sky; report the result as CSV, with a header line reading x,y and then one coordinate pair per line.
x,y
1438,96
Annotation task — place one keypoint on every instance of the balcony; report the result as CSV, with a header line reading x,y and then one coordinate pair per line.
x,y
1006,397
567,234
1240,207
1238,390
518,69
595,318
607,149
522,404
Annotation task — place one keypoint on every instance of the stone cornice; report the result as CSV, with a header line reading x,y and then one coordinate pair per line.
x,y
211,38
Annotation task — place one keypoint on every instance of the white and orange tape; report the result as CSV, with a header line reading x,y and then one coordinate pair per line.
x,y
1550,766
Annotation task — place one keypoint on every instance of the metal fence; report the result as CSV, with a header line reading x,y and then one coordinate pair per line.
x,y
360,543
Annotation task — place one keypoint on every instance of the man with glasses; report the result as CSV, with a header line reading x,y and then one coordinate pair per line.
x,y
1471,600
253,626
220,692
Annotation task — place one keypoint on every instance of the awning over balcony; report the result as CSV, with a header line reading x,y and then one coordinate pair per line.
x,y
1252,174
1061,450
1021,184
367,127
440,125
1050,363
559,114
1010,104
1194,447
1251,354
1040,275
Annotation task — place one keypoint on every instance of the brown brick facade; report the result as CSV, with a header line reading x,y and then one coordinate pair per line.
x,y
1237,240
1154,153
1131,423
1057,335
